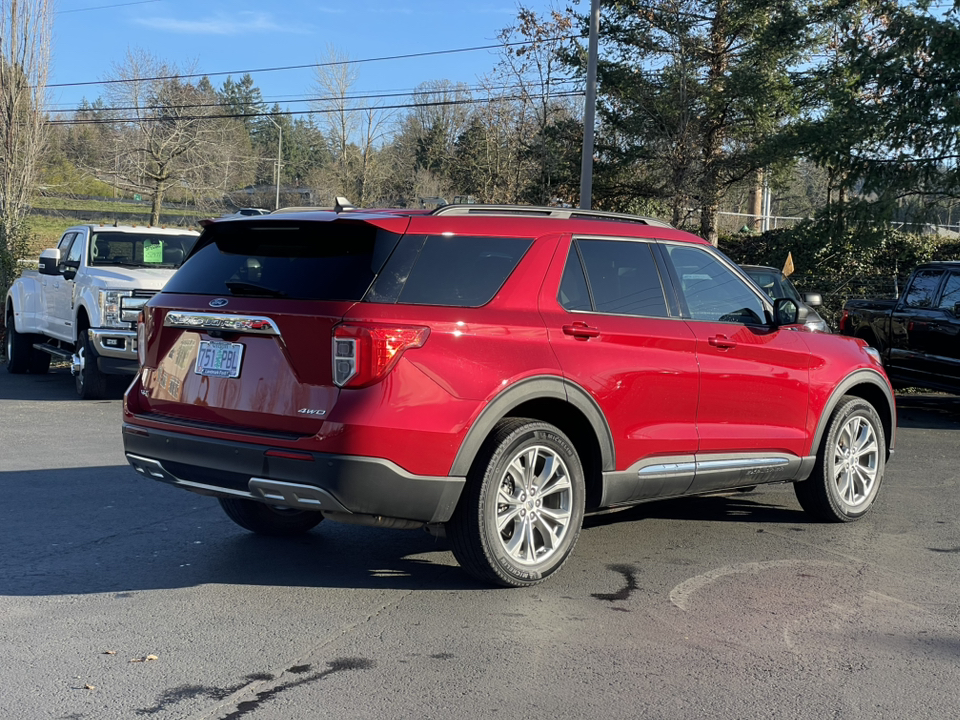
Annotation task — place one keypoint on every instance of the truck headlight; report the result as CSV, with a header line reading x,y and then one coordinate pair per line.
x,y
130,308
110,313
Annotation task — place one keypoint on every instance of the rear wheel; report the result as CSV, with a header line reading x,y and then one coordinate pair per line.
x,y
18,348
850,464
268,519
91,383
521,511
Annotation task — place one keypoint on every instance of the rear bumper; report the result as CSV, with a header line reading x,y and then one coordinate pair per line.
x,y
278,476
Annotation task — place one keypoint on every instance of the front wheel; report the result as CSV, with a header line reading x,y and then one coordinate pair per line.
x,y
91,383
521,510
269,520
850,464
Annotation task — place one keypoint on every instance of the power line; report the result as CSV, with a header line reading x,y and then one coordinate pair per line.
x,y
369,95
407,56
104,7
377,108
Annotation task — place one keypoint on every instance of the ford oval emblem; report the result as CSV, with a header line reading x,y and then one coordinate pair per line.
x,y
219,302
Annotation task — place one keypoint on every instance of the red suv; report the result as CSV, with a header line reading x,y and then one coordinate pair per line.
x,y
492,372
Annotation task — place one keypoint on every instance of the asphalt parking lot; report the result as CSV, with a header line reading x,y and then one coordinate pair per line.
x,y
123,598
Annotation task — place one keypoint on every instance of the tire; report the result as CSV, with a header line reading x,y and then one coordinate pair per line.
x,y
91,383
18,348
265,519
522,508
850,463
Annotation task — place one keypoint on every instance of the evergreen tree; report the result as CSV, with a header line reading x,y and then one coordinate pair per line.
x,y
686,92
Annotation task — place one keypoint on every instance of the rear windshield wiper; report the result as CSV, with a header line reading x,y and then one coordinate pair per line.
x,y
239,287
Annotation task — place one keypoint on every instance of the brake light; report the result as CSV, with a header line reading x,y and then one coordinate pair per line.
x,y
364,354
844,319
141,341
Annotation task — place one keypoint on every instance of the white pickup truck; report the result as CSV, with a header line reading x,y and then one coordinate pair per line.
x,y
82,303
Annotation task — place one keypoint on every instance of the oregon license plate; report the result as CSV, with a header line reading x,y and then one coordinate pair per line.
x,y
219,359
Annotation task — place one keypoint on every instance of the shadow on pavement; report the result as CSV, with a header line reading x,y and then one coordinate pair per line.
x,y
56,385
932,411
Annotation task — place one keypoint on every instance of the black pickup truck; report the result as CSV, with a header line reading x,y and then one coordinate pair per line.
x,y
918,334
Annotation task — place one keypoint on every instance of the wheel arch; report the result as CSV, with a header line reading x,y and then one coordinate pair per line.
x,y
82,322
559,402
871,386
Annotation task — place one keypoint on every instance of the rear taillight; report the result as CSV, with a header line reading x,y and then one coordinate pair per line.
x,y
844,319
364,354
141,341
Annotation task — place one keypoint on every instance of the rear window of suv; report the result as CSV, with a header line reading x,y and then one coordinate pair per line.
x,y
311,261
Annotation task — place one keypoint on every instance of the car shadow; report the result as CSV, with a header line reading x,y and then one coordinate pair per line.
x,y
750,507
56,385
928,411
107,530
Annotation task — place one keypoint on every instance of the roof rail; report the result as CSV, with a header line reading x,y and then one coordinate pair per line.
x,y
547,212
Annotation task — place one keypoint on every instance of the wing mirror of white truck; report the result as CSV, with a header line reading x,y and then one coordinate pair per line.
x,y
50,262
813,299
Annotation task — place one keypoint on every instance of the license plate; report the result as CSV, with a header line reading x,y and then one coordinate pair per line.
x,y
219,359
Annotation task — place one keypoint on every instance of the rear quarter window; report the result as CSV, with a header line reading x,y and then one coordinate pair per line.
x,y
454,271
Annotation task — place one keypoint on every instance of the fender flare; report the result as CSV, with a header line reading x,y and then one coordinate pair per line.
x,y
18,301
534,388
858,377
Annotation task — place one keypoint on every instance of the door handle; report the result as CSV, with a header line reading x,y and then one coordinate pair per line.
x,y
580,330
722,342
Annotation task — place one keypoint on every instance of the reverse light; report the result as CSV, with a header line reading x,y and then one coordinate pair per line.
x,y
364,354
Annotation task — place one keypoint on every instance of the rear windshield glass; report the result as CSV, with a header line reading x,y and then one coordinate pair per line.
x,y
305,261
461,271
139,249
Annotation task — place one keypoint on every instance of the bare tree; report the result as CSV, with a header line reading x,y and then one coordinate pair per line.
x,y
532,72
25,30
355,129
169,134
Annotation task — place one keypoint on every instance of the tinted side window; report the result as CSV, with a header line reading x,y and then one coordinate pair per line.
x,y
712,291
573,293
304,261
76,252
461,271
922,289
64,245
951,292
623,277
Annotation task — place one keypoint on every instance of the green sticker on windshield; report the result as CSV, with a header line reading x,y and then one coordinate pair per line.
x,y
153,251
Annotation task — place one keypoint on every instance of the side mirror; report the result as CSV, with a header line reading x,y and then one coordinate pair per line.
x,y
788,312
50,262
69,273
813,299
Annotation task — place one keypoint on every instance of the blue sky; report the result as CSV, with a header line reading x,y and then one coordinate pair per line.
x,y
90,36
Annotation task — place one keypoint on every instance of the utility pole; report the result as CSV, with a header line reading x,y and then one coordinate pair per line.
x,y
279,155
590,109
